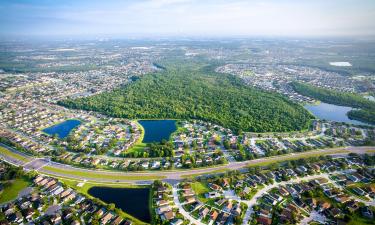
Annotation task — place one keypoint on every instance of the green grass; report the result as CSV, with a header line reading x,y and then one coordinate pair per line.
x,y
93,174
294,156
357,219
9,153
205,173
200,189
139,147
12,189
84,189
253,192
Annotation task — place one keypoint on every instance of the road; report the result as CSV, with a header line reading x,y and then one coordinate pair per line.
x,y
67,171
181,210
253,201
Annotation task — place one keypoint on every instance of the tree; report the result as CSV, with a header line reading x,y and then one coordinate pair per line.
x,y
226,144
192,90
111,206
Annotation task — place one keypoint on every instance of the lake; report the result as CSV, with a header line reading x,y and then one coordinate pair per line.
x,y
63,129
134,201
157,130
332,112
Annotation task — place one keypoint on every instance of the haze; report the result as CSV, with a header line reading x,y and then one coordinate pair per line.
x,y
188,18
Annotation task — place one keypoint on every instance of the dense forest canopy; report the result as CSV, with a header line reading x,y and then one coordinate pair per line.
x,y
365,108
362,115
193,91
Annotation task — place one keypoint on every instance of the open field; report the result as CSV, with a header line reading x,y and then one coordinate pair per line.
x,y
200,189
138,147
12,189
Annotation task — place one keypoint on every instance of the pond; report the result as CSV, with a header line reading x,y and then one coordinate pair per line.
x,y
332,112
63,129
134,201
157,130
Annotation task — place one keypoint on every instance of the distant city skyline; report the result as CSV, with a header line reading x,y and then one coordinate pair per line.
x,y
151,18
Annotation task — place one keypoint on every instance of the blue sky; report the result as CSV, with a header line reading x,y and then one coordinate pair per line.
x,y
188,17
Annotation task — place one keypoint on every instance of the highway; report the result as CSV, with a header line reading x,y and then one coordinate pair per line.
x,y
45,166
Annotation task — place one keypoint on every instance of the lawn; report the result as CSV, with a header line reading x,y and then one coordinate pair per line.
x,y
92,174
12,188
9,153
87,185
357,219
139,147
200,189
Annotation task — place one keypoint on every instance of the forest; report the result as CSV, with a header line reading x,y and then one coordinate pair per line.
x,y
362,115
195,91
365,109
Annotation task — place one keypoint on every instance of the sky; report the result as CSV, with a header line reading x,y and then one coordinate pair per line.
x,y
127,18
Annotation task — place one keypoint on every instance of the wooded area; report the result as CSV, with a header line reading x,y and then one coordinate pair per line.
x,y
192,91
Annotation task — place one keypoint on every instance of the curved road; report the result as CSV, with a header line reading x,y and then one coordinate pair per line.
x,y
44,165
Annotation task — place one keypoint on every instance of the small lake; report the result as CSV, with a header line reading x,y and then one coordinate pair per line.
x,y
134,201
332,112
63,129
157,130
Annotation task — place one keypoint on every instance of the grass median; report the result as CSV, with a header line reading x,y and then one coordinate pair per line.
x,y
13,155
293,156
205,173
96,174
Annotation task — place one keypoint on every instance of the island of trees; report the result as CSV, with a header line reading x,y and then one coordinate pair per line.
x,y
365,109
194,91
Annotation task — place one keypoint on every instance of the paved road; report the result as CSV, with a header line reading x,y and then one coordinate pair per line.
x,y
261,192
181,210
171,176
264,190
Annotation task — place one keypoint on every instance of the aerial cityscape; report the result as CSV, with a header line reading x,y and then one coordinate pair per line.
x,y
187,112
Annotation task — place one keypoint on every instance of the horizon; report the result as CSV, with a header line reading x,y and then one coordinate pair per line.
x,y
154,19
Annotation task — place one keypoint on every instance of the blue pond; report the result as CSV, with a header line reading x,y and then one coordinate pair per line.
x,y
63,129
134,201
332,112
157,130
